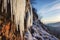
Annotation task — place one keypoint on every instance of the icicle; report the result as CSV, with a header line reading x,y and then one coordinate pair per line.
x,y
5,5
30,15
18,10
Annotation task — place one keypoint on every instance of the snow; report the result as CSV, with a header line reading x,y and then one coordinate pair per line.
x,y
38,33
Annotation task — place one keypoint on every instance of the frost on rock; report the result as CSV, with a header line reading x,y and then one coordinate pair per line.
x,y
36,32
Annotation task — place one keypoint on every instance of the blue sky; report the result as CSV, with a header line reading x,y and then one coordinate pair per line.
x,y
49,10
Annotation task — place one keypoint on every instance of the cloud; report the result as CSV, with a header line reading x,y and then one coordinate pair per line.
x,y
51,19
49,7
50,12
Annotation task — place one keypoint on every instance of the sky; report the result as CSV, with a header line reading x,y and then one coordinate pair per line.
x,y
49,10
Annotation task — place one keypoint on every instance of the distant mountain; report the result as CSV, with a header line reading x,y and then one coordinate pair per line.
x,y
54,28
57,24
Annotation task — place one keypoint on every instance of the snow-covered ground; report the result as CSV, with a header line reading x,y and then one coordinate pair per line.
x,y
36,32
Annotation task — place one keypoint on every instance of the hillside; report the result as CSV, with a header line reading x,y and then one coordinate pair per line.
x,y
37,32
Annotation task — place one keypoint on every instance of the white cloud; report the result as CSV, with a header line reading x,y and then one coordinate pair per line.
x,y
51,19
49,7
55,7
49,10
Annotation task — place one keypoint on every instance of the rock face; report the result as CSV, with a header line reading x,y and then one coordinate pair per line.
x,y
36,32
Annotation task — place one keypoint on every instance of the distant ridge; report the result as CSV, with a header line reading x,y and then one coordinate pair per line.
x,y
56,24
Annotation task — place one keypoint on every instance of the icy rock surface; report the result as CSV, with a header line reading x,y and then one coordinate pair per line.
x,y
36,32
